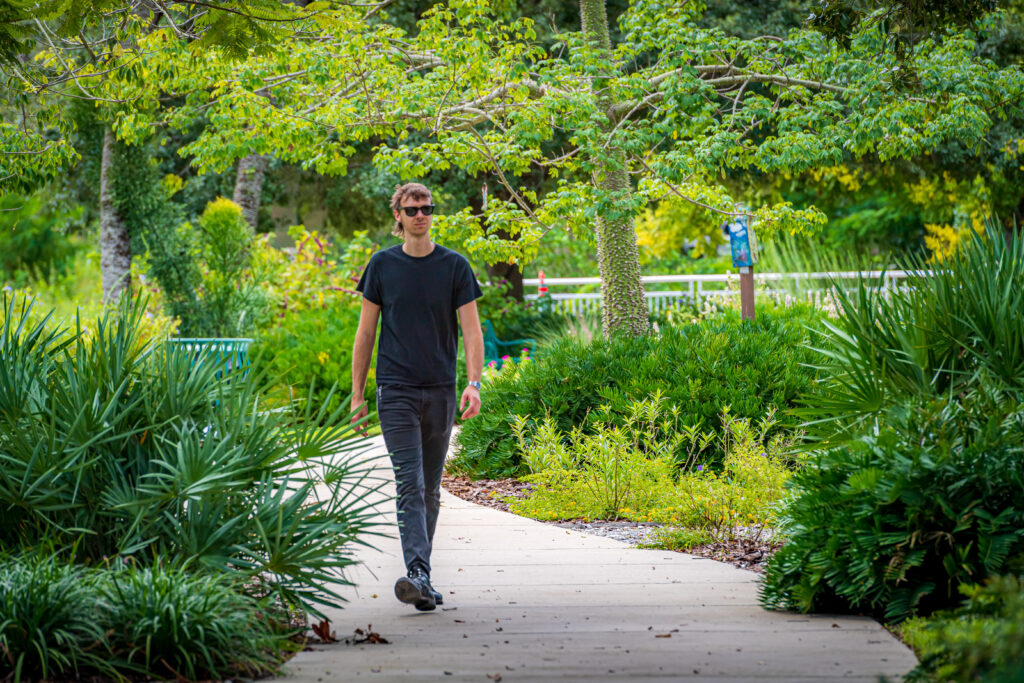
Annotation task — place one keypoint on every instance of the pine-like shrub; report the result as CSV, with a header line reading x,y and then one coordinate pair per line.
x,y
699,368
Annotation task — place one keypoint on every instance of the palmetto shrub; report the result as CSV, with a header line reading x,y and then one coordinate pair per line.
x,y
916,486
118,447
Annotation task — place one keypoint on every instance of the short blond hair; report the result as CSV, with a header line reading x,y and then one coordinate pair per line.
x,y
412,191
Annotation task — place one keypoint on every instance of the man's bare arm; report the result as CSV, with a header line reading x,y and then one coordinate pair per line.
x,y
473,340
362,352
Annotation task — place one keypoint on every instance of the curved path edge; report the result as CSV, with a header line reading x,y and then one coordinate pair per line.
x,y
528,601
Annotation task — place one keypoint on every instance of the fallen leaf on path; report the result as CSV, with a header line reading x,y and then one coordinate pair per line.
x,y
370,636
324,633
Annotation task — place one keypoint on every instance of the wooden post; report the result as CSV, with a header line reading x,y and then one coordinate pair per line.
x,y
747,292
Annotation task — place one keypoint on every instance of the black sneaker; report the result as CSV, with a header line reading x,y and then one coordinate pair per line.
x,y
415,590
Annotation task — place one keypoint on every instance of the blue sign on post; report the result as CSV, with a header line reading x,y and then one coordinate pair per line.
x,y
742,242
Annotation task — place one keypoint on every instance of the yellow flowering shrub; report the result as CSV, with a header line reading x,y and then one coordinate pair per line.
x,y
623,473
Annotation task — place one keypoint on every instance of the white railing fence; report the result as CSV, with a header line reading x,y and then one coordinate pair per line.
x,y
697,287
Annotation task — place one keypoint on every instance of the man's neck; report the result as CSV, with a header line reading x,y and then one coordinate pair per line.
x,y
418,246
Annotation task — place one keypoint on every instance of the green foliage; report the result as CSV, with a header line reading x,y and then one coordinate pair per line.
x,y
893,522
308,343
171,623
982,640
35,238
314,347
48,620
630,471
118,446
154,222
916,488
60,620
603,474
700,368
679,539
232,299
942,334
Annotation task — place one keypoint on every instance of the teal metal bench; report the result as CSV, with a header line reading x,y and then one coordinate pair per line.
x,y
495,348
232,354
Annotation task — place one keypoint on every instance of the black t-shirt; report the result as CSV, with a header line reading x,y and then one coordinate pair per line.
x,y
419,297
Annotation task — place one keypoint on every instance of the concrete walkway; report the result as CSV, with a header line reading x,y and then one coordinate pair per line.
x,y
527,601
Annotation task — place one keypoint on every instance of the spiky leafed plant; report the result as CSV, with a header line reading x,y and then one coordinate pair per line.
x,y
953,323
913,489
117,446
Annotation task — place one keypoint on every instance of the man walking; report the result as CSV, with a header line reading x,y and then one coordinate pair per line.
x,y
420,291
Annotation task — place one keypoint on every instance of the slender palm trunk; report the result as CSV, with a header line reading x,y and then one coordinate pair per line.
x,y
115,243
624,310
249,186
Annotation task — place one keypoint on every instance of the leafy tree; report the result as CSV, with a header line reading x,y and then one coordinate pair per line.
x,y
671,108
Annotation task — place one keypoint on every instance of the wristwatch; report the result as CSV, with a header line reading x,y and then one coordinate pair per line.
x,y
474,384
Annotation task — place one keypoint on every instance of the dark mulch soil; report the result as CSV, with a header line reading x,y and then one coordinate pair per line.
x,y
487,492
744,553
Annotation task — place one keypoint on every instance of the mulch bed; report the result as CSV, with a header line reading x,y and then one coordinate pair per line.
x,y
745,553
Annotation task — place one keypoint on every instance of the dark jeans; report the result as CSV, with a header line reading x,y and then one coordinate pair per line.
x,y
417,423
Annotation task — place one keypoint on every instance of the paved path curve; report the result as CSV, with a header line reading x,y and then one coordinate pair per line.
x,y
527,601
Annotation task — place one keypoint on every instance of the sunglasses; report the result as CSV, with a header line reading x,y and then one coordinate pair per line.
x,y
410,211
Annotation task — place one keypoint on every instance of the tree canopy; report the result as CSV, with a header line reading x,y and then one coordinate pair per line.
x,y
673,108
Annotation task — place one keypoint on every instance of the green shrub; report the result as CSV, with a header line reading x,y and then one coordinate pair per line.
x,y
630,472
606,474
982,640
35,238
117,446
315,346
233,300
938,335
917,487
170,623
894,522
48,620
60,620
700,369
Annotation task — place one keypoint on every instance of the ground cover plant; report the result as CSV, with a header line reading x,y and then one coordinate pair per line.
x,y
631,472
59,619
115,447
700,368
914,488
982,640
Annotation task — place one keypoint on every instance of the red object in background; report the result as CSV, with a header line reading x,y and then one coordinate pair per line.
x,y
542,289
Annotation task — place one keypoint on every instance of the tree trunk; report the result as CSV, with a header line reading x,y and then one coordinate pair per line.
x,y
624,310
249,186
511,274
115,242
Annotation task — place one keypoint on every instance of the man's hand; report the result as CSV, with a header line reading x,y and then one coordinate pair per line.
x,y
361,413
470,397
